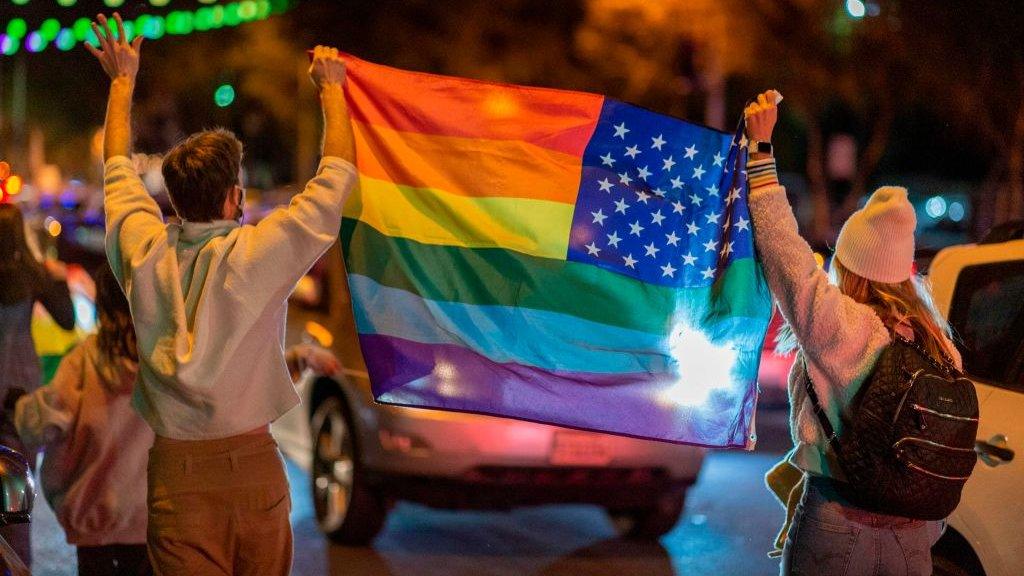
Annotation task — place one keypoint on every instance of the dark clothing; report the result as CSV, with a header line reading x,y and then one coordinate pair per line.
x,y
19,364
114,560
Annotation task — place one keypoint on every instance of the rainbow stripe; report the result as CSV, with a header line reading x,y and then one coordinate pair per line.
x,y
470,287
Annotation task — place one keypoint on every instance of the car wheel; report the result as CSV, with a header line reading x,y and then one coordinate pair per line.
x,y
651,522
347,511
953,556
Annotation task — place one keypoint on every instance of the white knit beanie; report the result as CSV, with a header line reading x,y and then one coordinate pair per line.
x,y
877,241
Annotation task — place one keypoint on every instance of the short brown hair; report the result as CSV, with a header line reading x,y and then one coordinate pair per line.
x,y
199,172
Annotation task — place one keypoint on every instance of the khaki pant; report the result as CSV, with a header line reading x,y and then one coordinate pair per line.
x,y
219,507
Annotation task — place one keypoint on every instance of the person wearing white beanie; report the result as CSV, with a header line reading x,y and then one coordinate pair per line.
x,y
877,242
839,324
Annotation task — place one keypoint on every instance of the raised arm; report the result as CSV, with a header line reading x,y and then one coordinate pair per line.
x,y
328,73
834,331
285,244
133,218
120,60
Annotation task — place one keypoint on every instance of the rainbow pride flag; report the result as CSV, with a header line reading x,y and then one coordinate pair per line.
x,y
553,256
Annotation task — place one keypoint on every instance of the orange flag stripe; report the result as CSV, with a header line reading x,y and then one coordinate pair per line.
x,y
554,119
467,166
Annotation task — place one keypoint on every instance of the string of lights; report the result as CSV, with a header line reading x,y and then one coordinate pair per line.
x,y
64,37
109,3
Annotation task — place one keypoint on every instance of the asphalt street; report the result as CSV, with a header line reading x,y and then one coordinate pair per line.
x,y
729,524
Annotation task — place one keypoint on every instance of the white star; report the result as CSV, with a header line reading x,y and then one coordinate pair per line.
x,y
718,159
628,261
625,179
607,159
698,172
613,239
734,195
708,273
668,163
710,245
621,130
593,249
677,207
658,142
743,141
620,206
671,239
606,186
642,196
659,192
599,217
727,249
632,151
644,173
677,183
668,270
652,250
694,199
742,224
635,228
689,259
692,228
691,152
656,217
713,218
712,190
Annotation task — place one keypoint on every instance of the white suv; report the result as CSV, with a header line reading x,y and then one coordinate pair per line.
x,y
980,288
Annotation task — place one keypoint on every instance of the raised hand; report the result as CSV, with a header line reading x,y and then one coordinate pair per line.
x,y
762,115
327,67
119,58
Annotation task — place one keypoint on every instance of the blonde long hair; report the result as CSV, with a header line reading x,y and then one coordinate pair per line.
x,y
907,303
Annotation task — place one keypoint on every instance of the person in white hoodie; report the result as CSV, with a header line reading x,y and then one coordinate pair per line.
x,y
208,299
95,445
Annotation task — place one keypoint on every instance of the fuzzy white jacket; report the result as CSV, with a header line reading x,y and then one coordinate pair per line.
x,y
208,301
840,340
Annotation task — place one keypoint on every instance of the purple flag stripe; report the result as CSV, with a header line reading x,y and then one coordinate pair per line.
x,y
453,378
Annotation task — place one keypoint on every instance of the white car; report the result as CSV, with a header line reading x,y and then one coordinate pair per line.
x,y
980,288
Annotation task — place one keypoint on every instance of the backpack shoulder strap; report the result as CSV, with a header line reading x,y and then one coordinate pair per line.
x,y
819,411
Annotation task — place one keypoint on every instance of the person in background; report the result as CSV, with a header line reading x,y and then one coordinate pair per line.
x,y
840,325
208,298
95,445
25,281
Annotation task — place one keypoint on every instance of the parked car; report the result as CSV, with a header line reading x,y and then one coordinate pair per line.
x,y
980,288
363,455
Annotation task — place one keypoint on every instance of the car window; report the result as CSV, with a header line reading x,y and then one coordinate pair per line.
x,y
987,314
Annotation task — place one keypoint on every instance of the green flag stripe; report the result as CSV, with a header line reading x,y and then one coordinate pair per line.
x,y
503,277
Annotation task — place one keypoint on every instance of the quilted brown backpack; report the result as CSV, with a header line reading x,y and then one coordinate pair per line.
x,y
908,447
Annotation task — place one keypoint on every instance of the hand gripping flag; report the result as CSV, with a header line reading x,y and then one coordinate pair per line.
x,y
553,256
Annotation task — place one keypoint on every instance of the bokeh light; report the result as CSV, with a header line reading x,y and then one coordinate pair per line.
x,y
956,211
17,28
35,42
855,8
935,207
224,95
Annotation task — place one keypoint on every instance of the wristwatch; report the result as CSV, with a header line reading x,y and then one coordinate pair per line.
x,y
757,146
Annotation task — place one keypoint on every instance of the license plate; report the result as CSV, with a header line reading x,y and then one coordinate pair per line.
x,y
580,449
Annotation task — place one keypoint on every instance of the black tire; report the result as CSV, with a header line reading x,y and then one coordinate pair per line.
x,y
651,522
953,556
347,511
